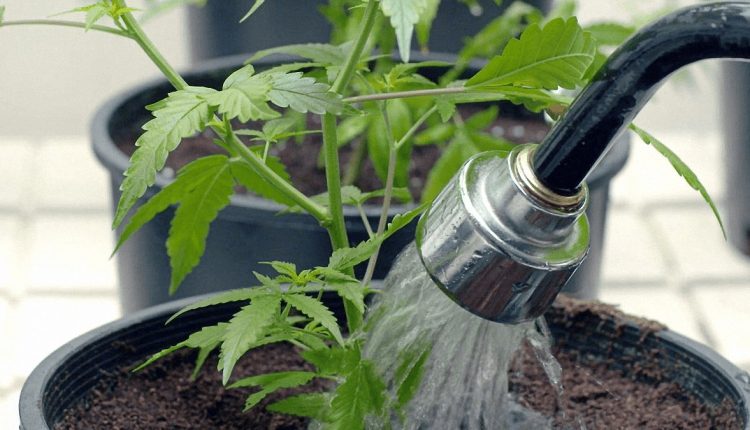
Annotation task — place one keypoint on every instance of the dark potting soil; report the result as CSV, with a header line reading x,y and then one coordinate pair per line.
x,y
301,158
600,392
163,396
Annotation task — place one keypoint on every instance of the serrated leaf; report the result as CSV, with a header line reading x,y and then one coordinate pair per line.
x,y
256,5
321,53
404,15
333,361
555,56
682,169
304,94
610,33
271,382
192,219
424,25
533,99
311,405
409,373
317,311
453,157
244,96
245,328
180,115
94,13
249,178
207,337
237,295
189,177
362,394
352,292
345,258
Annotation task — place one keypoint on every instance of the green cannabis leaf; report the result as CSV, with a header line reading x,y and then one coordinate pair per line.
x,y
409,373
304,94
245,328
682,169
250,179
244,96
181,114
237,295
312,405
317,311
362,394
404,15
190,225
189,177
610,33
323,53
345,258
256,5
207,338
271,382
554,56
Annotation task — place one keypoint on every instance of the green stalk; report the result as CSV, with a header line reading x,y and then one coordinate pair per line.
x,y
316,210
337,227
60,23
388,195
405,94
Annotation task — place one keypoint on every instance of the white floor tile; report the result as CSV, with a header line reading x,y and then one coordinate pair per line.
x,y
725,312
6,378
16,172
9,418
665,306
696,245
10,249
631,254
43,324
649,178
71,252
69,176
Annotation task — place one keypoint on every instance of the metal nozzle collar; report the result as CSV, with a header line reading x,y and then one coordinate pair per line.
x,y
498,242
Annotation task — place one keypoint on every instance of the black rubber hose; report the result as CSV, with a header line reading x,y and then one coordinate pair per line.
x,y
628,80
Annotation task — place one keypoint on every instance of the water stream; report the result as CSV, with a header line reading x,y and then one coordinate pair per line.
x,y
465,380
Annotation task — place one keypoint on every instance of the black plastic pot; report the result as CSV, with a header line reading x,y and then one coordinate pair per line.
x,y
735,111
64,378
249,230
215,32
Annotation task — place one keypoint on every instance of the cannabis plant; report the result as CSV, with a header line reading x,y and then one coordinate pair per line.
x,y
358,89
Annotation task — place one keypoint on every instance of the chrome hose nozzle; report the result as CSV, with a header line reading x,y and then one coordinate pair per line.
x,y
498,242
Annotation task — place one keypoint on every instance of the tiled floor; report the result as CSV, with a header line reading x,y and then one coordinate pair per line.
x,y
664,257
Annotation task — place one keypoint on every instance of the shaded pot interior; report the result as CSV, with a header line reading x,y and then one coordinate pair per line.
x,y
64,377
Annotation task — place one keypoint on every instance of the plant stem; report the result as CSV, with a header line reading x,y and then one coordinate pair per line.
x,y
60,23
388,195
405,94
365,221
150,49
337,227
316,210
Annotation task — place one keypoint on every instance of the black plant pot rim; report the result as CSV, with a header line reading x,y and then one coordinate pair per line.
x,y
31,406
117,162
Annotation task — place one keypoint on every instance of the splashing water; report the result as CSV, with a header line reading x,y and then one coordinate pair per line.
x,y
465,379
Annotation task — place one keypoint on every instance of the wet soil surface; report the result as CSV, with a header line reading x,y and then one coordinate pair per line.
x,y
599,392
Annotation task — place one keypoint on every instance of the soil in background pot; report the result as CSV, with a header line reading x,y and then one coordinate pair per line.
x,y
602,393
